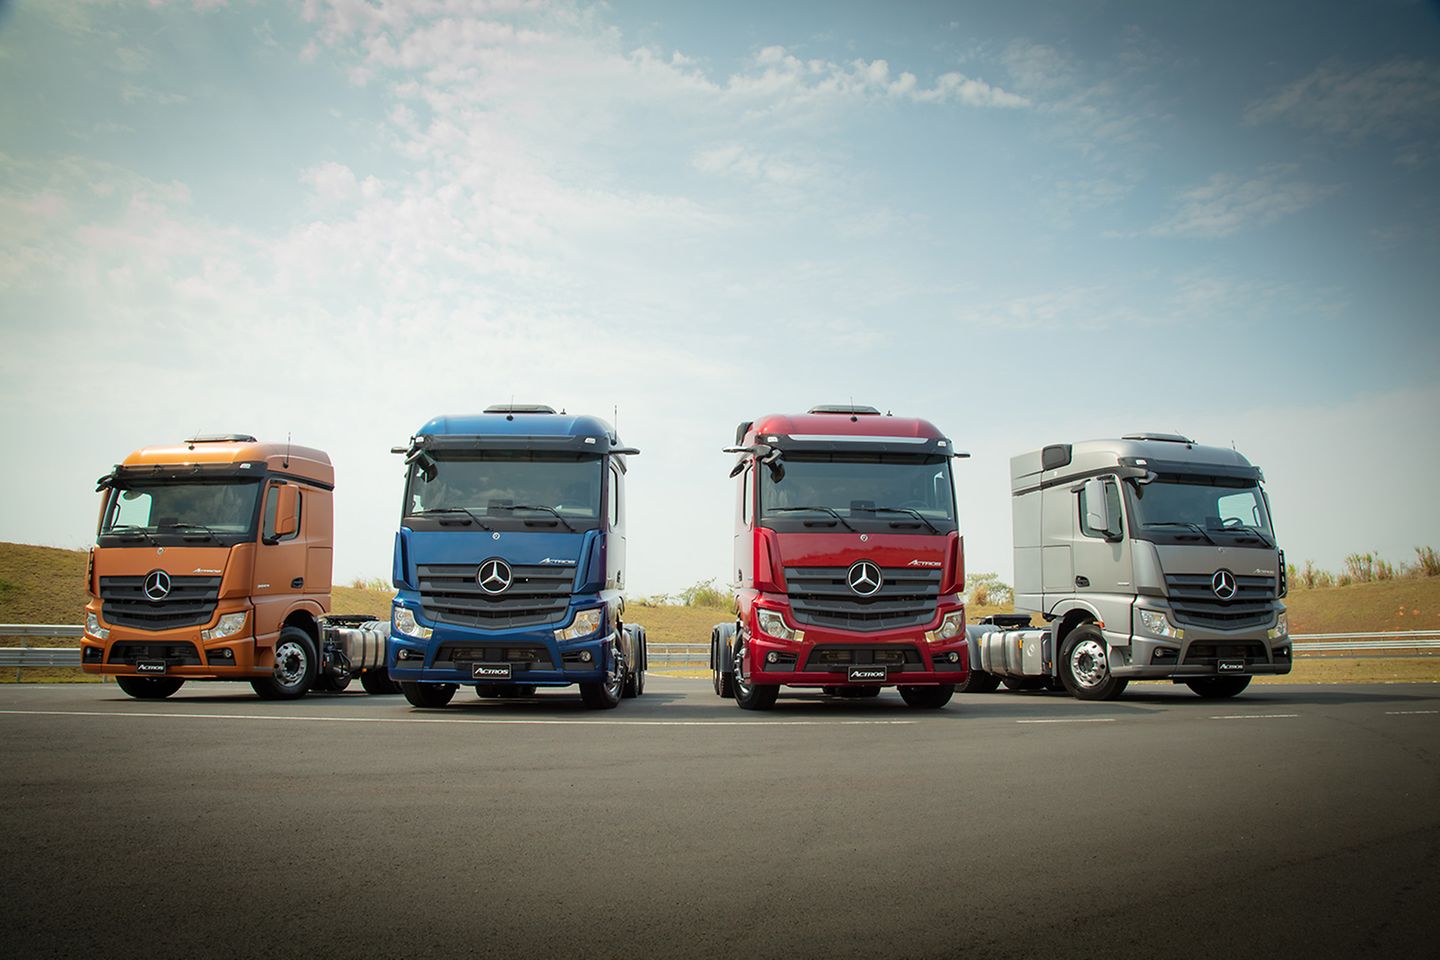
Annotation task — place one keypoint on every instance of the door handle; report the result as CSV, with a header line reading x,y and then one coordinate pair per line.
x,y
1082,581
297,583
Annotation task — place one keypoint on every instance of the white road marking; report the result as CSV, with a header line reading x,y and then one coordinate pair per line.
x,y
1256,716
1408,713
1074,720
496,721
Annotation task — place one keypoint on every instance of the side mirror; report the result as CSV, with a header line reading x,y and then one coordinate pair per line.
x,y
287,511
1097,508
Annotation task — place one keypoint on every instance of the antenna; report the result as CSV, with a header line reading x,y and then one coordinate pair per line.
x,y
286,464
615,416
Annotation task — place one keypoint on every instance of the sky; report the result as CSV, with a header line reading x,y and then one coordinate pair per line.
x,y
1027,222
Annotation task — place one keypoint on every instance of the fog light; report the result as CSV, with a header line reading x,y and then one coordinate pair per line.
x,y
772,657
586,656
224,653
403,654
953,656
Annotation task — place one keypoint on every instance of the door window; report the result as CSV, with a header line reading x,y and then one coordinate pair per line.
x,y
271,503
1112,500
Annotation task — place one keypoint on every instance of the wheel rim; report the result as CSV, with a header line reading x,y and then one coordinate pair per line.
x,y
741,687
615,682
290,663
1088,663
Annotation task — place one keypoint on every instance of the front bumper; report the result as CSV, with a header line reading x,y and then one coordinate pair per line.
x,y
1148,658
535,657
825,660
185,656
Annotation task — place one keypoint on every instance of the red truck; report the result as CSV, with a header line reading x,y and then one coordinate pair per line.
x,y
848,562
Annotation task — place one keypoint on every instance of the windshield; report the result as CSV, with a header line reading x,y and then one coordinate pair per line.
x,y
882,491
190,510
531,488
1199,507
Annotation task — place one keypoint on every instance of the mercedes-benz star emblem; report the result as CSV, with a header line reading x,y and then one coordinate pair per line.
x,y
1223,584
864,578
157,585
494,576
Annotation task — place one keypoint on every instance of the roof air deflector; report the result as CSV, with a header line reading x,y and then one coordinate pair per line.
x,y
221,438
845,408
1161,437
519,408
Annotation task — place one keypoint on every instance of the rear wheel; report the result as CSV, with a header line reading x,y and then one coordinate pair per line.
x,y
1085,666
1023,683
1218,688
149,688
978,682
635,686
751,696
377,682
723,684
928,698
517,691
431,696
295,667
329,683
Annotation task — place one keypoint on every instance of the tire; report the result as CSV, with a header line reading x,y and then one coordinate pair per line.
x,y
516,691
752,696
635,686
1218,688
928,698
978,682
606,694
295,667
723,684
377,682
1085,666
430,696
1020,684
149,688
488,691
327,683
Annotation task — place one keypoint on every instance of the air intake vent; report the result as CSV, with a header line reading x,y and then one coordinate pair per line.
x,y
1162,437
222,438
519,408
845,408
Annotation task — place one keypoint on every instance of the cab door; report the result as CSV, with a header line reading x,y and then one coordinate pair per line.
x,y
1101,556
280,557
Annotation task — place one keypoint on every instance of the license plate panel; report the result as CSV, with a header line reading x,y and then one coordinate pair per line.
x,y
867,673
1229,666
150,667
491,671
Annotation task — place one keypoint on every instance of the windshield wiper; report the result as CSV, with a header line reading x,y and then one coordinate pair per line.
x,y
1189,526
132,532
550,510
464,510
828,510
195,526
914,513
1244,529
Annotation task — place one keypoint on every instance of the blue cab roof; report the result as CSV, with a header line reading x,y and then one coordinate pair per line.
x,y
518,425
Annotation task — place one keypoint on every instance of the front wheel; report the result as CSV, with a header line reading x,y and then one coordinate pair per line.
x,y
605,694
928,698
1085,666
979,682
295,667
1218,688
751,696
431,696
149,688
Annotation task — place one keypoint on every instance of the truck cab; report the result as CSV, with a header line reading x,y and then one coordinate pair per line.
x,y
510,560
1151,557
848,561
212,561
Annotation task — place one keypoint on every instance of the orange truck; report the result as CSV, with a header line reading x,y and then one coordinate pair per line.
x,y
212,562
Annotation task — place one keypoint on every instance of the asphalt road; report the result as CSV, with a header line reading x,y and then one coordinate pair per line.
x,y
1293,821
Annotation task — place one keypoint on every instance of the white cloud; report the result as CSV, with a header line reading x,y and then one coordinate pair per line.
x,y
1396,100
1227,204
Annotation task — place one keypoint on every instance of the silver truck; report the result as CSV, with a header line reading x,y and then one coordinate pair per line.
x,y
1149,558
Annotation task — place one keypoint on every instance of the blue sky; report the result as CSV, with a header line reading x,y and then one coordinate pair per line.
x,y
1028,222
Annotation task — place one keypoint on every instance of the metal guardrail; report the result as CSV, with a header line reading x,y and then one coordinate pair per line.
x,y
699,653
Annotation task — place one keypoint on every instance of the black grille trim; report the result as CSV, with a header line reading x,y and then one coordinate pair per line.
x,y
1206,652
836,658
190,603
821,597
174,654
519,656
538,595
1194,602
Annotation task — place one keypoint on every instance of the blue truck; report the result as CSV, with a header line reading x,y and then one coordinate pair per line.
x,y
510,560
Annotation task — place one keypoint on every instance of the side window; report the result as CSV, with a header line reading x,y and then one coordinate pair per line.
x,y
132,509
614,497
1112,500
747,494
272,500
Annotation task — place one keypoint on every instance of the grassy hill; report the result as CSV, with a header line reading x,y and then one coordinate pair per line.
x,y
47,585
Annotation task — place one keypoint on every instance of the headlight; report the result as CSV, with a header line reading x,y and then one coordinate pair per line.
x,y
92,627
951,627
1160,625
228,626
586,623
772,624
1281,628
404,619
